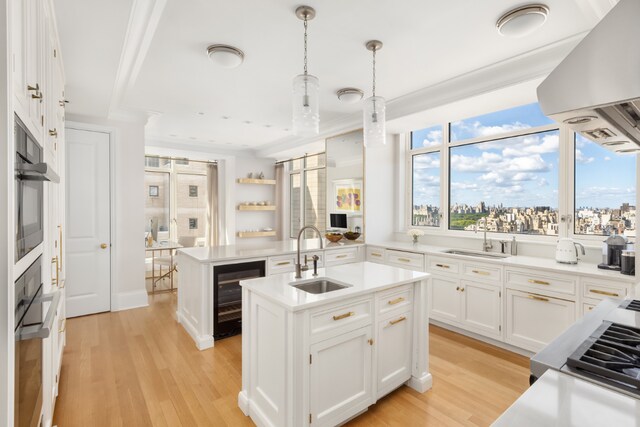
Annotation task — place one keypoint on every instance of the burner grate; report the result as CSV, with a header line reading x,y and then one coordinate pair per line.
x,y
631,305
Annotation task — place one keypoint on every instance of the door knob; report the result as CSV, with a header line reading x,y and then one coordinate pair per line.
x,y
103,246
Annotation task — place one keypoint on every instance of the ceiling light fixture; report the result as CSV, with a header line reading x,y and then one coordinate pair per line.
x,y
374,108
225,56
350,95
306,88
522,21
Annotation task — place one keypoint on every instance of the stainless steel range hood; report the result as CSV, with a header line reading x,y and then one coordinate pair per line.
x,y
596,88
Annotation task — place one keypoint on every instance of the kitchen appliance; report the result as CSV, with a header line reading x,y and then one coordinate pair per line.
x,y
31,328
595,90
227,296
567,251
338,220
30,172
612,252
628,265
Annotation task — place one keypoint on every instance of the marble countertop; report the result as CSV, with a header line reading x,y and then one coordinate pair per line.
x,y
558,399
582,268
361,278
261,250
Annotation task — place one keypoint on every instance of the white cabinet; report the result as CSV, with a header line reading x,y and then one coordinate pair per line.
x,y
481,308
444,299
375,254
408,260
340,377
340,256
533,320
394,344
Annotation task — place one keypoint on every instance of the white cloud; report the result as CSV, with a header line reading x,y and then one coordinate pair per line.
x,y
607,158
582,159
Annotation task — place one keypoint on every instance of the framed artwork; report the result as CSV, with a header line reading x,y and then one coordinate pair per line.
x,y
154,191
347,195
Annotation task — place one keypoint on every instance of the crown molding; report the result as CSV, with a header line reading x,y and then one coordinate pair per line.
x,y
197,146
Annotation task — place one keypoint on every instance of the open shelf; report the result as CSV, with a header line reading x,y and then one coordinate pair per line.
x,y
256,181
245,234
256,208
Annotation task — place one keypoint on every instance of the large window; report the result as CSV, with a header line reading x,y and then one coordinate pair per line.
x,y
605,190
307,194
426,189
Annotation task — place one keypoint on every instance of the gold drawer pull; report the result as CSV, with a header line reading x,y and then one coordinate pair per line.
x,y
342,256
457,288
590,307
442,265
609,294
404,259
376,254
63,327
343,316
396,301
480,272
393,322
537,298
539,282
283,263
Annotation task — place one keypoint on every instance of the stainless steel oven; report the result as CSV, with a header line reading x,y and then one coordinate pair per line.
x,y
30,174
31,328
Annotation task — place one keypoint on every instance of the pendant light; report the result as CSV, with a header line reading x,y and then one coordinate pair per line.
x,y
374,108
306,88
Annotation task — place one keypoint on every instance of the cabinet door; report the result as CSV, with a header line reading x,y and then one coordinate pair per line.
x,y
340,377
20,10
34,65
533,321
393,346
481,308
444,299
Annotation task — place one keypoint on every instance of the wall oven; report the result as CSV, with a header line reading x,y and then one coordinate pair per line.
x,y
30,173
31,328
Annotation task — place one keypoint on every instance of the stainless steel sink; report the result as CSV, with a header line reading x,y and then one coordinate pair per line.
x,y
476,254
319,286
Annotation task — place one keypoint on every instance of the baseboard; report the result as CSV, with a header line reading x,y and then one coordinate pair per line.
x,y
202,342
421,384
243,402
129,300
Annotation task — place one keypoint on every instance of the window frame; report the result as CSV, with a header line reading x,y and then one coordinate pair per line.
x,y
302,171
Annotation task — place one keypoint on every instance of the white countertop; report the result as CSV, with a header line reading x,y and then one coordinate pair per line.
x,y
261,250
558,399
361,277
582,268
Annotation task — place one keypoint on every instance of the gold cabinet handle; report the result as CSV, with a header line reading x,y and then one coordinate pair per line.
x,y
54,280
376,254
396,301
599,292
590,307
457,288
343,316
342,256
480,272
60,246
63,327
37,95
539,282
461,289
400,319
442,265
537,298
35,88
404,259
283,263
62,284
53,132
370,341
103,246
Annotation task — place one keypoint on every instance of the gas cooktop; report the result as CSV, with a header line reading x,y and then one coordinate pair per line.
x,y
633,304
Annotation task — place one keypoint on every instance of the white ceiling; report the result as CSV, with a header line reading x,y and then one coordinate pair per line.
x,y
426,42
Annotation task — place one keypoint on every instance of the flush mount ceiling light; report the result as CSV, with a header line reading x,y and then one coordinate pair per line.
x,y
579,120
374,108
523,20
225,56
306,88
350,95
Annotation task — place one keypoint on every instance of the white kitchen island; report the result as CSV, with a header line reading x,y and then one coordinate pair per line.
x,y
321,359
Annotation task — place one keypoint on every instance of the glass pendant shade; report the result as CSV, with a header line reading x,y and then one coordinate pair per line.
x,y
306,105
374,122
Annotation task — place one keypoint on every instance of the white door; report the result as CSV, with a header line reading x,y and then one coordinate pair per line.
x,y
395,338
88,278
481,308
444,299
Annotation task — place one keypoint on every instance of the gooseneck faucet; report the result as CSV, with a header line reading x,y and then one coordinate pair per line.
x,y
486,245
299,267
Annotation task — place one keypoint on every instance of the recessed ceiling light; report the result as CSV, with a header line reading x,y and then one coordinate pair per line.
x,y
286,130
267,126
247,122
350,95
522,20
200,113
225,117
212,140
225,56
173,134
245,145
192,137
613,143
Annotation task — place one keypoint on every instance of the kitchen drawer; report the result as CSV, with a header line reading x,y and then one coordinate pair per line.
x,y
492,274
327,322
340,256
542,282
442,265
407,260
282,264
600,289
375,254
587,307
395,300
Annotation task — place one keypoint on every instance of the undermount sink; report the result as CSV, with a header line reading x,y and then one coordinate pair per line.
x,y
321,286
476,254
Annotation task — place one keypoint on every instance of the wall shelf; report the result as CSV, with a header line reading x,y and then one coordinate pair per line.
x,y
256,208
245,234
256,181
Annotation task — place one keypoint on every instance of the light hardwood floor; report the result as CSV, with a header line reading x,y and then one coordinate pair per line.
x,y
140,368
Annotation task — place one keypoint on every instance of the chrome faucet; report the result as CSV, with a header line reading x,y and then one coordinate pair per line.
x,y
486,245
299,267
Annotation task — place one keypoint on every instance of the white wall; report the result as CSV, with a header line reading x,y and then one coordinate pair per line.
x,y
128,256
380,172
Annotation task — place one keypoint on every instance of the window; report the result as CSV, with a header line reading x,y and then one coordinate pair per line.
x,y
426,189
295,203
193,191
605,190
307,194
513,182
193,223
154,191
427,138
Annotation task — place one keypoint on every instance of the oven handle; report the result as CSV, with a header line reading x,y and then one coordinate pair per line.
x,y
44,329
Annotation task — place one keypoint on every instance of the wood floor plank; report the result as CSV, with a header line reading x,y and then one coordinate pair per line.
x,y
140,368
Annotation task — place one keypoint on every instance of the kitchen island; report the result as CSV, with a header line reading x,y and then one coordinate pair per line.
x,y
314,354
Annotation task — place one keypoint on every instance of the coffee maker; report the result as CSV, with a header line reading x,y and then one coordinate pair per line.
x,y
612,252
